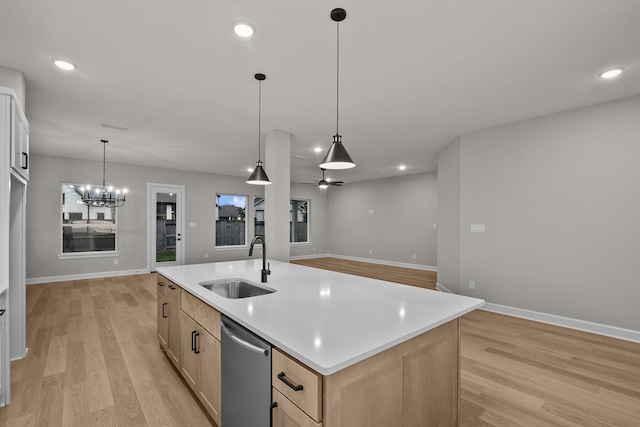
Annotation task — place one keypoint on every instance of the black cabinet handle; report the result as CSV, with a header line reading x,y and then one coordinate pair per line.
x,y
171,287
164,316
274,405
160,284
2,311
282,378
26,160
194,345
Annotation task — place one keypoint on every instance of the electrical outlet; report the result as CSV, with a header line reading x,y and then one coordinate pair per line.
x,y
414,256
370,251
472,284
115,262
206,255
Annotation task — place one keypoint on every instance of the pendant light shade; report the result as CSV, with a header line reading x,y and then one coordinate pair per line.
x,y
337,156
259,176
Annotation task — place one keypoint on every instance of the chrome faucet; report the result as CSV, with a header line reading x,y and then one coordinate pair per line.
x,y
265,267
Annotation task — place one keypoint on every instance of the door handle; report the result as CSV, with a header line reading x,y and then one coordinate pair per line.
x,y
26,160
164,316
242,342
194,346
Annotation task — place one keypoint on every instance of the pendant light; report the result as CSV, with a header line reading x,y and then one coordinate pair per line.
x,y
337,156
105,196
259,176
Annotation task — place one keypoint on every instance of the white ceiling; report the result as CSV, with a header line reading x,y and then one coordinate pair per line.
x,y
415,74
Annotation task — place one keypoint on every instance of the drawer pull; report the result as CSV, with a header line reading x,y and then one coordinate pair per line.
x,y
194,343
282,378
160,284
164,316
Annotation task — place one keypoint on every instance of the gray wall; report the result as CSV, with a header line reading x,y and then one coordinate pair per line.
x,y
560,198
318,219
43,214
401,225
449,216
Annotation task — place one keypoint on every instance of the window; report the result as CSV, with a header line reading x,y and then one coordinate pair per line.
x,y
86,229
231,228
299,221
258,219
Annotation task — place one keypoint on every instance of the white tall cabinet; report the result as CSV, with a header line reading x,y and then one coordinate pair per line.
x,y
14,174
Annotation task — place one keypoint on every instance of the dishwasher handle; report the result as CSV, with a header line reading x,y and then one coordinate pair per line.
x,y
242,342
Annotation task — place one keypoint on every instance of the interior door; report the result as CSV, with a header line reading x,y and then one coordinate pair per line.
x,y
166,225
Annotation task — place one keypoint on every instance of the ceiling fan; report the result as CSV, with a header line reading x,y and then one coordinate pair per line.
x,y
323,183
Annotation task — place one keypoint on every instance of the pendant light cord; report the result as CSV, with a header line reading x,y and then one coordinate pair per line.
x,y
337,74
259,114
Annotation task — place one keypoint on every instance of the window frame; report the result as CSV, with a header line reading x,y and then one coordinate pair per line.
x,y
246,225
85,254
308,241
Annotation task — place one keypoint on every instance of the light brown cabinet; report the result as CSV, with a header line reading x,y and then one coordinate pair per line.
x,y
412,384
173,347
163,319
297,383
286,414
201,352
168,321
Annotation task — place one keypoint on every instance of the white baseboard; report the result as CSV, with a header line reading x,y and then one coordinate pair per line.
x,y
293,258
384,262
567,322
50,279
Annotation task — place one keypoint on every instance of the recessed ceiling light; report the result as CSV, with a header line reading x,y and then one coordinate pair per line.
x,y
249,169
318,150
243,29
64,65
610,74
402,167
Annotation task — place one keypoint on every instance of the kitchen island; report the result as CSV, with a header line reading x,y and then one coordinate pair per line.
x,y
382,353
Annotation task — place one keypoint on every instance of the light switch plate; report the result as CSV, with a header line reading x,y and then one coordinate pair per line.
x,y
477,228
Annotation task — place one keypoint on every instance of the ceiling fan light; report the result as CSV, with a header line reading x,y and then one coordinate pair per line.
x,y
258,176
323,185
337,156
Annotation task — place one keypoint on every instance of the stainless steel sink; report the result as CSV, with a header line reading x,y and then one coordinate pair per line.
x,y
236,288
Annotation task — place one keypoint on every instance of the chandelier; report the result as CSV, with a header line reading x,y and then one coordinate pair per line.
x,y
105,196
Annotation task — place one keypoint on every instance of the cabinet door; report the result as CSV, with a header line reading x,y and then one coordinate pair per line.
x,y
286,414
163,320
190,367
173,350
19,141
209,385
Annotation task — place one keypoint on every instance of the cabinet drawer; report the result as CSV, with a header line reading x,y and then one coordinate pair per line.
x,y
287,370
286,413
162,283
205,315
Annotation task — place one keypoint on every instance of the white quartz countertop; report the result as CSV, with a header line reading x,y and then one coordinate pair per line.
x,y
326,320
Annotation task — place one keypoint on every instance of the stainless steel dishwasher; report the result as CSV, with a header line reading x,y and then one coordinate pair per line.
x,y
246,377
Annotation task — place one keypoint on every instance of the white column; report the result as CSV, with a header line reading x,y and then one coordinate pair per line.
x,y
277,159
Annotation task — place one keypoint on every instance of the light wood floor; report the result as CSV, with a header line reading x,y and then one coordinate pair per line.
x,y
94,361
407,276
